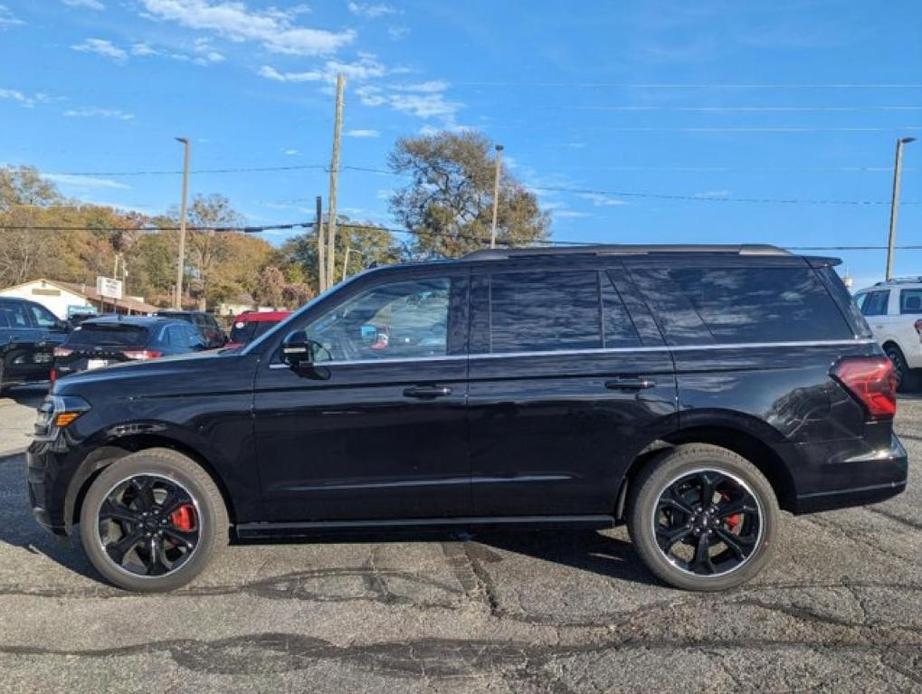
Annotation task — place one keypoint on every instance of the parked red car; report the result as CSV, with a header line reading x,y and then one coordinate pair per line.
x,y
251,324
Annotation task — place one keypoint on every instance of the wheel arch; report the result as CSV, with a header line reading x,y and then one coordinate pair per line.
x,y
757,448
104,456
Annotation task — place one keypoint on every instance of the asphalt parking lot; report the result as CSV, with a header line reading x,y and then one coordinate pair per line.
x,y
839,610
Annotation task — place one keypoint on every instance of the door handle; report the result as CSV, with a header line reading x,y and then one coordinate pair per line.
x,y
426,392
630,383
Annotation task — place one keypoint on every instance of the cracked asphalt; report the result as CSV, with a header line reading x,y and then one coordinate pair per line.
x,y
840,609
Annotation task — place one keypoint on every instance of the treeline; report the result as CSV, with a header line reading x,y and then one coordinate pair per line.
x,y
446,207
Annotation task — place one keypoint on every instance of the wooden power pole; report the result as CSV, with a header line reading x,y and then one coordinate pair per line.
x,y
334,176
321,247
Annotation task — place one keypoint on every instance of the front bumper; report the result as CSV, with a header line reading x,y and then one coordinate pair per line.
x,y
50,469
859,481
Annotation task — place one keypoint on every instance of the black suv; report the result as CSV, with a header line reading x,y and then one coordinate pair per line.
x,y
206,324
28,334
691,392
108,340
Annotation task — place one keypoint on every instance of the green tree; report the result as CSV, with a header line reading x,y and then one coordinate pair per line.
x,y
448,203
368,244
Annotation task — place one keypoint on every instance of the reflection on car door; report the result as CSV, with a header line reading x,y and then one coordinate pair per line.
x,y
563,390
377,429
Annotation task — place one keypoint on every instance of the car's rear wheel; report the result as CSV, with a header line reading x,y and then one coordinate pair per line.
x,y
703,518
152,521
906,379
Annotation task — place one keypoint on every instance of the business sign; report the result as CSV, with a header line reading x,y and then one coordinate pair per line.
x,y
109,288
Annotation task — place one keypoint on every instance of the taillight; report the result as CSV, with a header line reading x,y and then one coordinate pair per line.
x,y
872,381
53,375
918,326
142,354
63,351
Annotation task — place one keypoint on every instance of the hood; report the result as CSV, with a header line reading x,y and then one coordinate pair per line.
x,y
189,373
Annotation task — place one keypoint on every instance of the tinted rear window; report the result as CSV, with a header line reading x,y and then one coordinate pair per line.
x,y
911,301
249,331
762,304
545,311
115,335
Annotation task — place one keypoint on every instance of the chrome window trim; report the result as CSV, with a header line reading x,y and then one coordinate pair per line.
x,y
606,350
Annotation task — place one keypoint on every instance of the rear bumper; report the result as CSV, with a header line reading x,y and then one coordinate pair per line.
x,y
859,481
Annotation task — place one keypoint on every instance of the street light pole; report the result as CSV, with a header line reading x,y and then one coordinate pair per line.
x,y
182,221
895,201
499,164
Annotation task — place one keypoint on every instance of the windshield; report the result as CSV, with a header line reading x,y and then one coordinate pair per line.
x,y
94,334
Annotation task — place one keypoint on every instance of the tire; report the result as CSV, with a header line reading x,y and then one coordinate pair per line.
x,y
731,478
906,379
173,481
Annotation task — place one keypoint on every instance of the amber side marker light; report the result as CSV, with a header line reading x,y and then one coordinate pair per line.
x,y
62,419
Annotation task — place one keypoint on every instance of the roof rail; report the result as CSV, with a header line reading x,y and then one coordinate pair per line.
x,y
625,249
901,280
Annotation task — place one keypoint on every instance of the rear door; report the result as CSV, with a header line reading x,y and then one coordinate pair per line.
x,y
569,379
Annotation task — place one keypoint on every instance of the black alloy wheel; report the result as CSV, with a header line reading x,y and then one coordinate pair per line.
x,y
149,525
153,520
707,522
702,517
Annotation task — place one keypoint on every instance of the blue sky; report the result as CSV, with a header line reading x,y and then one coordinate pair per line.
x,y
710,102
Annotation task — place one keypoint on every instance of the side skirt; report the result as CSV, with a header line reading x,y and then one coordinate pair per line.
x,y
279,530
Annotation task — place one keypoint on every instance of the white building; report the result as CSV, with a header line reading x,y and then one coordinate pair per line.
x,y
66,298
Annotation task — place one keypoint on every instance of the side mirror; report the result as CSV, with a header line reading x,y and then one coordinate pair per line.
x,y
298,350
62,326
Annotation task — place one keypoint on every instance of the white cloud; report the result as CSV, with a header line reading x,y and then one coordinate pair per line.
x,y
602,200
274,29
86,182
7,18
291,152
85,4
102,47
371,10
362,133
398,32
142,49
365,68
96,112
423,100
19,97
713,194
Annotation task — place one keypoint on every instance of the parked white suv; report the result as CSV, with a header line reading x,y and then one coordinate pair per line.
x,y
893,309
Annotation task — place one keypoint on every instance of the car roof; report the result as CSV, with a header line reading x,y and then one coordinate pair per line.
x,y
261,316
900,282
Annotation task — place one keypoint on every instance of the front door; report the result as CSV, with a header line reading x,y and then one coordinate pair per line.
x,y
566,387
377,428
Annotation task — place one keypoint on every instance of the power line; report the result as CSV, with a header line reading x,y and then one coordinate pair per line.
x,y
697,85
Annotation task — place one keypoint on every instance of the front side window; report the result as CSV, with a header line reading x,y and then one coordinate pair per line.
x,y
42,317
911,301
875,303
546,311
403,320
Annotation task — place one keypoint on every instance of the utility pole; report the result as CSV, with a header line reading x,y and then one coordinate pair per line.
x,y
182,221
334,175
895,201
349,250
321,247
499,164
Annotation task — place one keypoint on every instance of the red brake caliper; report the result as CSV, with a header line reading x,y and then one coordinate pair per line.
x,y
735,519
183,518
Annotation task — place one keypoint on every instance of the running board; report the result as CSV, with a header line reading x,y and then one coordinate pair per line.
x,y
271,530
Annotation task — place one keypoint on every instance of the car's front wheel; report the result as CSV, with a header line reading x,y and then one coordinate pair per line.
x,y
703,518
152,521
